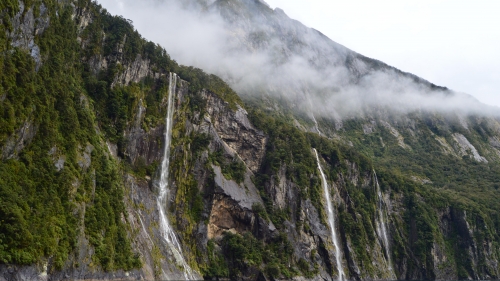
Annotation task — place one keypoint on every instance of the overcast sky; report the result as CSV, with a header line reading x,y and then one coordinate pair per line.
x,y
452,43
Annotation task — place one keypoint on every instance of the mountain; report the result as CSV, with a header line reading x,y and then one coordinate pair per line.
x,y
306,161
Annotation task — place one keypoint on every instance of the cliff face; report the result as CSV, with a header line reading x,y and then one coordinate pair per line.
x,y
245,195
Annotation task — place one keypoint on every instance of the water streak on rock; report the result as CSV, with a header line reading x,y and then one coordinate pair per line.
x,y
381,224
167,232
331,221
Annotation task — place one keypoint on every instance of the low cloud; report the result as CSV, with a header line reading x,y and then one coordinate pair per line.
x,y
263,52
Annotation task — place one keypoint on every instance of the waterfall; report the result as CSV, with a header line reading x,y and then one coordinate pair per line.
x,y
381,224
331,221
316,125
167,232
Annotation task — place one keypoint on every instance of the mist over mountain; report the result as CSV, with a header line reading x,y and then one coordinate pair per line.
x,y
262,51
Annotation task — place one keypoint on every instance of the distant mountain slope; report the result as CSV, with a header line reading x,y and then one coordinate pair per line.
x,y
262,52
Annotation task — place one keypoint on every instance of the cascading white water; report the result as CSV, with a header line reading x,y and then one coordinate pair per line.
x,y
167,232
316,125
331,221
382,227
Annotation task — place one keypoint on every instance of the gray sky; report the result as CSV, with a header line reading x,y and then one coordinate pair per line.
x,y
452,43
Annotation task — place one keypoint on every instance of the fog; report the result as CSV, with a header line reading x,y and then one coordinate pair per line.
x,y
428,38
263,52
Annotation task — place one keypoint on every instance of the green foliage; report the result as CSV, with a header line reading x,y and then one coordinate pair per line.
x,y
305,268
200,142
234,170
10,7
199,80
41,208
287,147
217,157
260,211
273,270
461,178
243,251
36,203
142,170
197,104
103,223
196,201
217,265
231,169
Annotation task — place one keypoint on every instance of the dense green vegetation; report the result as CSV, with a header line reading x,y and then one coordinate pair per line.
x,y
468,183
70,109
453,180
42,208
244,251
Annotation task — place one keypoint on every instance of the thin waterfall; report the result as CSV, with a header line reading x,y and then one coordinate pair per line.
x,y
331,221
167,232
139,115
316,126
381,224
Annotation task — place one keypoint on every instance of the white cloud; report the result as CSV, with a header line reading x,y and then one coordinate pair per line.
x,y
453,43
204,40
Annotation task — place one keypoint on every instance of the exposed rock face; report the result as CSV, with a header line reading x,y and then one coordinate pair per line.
x,y
26,26
455,225
143,213
19,140
245,194
224,216
495,142
232,208
282,190
84,160
144,145
465,148
317,237
396,134
445,146
369,128
84,272
134,72
235,130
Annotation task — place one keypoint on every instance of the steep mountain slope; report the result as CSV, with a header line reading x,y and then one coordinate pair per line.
x,y
332,90
83,106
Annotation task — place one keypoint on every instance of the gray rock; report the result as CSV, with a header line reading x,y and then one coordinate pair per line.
x,y
26,27
465,148
20,139
235,130
60,163
245,194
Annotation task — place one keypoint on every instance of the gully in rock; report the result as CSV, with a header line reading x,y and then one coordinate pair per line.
x,y
167,232
331,221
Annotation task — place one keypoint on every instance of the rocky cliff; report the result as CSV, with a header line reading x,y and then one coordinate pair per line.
x,y
84,101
